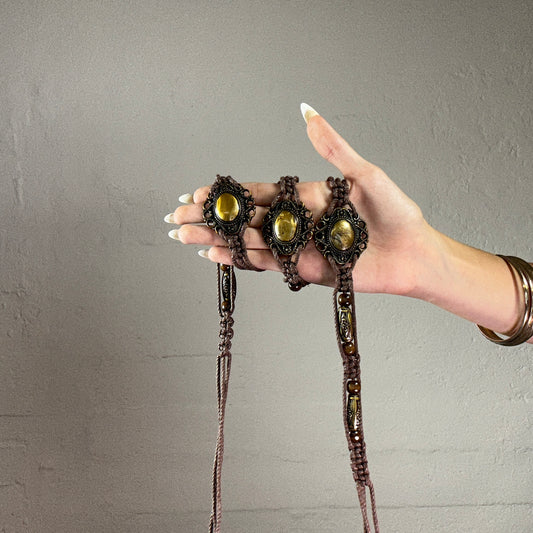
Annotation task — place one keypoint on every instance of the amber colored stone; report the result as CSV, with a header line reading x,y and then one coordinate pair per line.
x,y
285,226
344,299
225,305
353,386
227,207
224,267
342,235
349,348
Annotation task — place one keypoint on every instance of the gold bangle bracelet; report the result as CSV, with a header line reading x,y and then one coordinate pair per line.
x,y
524,330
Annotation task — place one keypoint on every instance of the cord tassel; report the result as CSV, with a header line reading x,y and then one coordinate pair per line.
x,y
227,289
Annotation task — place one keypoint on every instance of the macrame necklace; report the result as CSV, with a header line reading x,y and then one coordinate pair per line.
x,y
341,236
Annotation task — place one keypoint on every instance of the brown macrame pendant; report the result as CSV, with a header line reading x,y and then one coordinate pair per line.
x,y
287,228
341,236
228,210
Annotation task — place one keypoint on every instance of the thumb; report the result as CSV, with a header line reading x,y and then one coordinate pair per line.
x,y
331,146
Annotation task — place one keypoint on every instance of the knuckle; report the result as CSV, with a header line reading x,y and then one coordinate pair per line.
x,y
333,148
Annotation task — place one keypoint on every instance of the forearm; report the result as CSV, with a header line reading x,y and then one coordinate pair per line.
x,y
470,283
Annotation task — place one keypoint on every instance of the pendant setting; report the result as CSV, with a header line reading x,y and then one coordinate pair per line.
x,y
287,227
341,235
228,207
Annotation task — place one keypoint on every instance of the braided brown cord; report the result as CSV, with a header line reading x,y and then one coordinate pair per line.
x,y
291,275
227,290
339,190
344,311
239,256
288,187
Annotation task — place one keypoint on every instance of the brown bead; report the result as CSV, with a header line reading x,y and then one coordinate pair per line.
x,y
349,348
225,305
354,436
224,267
344,299
353,387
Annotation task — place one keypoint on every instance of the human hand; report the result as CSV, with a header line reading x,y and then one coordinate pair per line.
x,y
399,237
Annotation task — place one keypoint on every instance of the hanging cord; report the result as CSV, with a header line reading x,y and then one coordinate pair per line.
x,y
227,290
345,319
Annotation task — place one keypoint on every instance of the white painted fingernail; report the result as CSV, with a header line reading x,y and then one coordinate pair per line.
x,y
169,219
204,253
173,234
186,198
307,112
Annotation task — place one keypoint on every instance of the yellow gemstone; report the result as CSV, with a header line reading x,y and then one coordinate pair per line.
x,y
285,226
227,207
342,235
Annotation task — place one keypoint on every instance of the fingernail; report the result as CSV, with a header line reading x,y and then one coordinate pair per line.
x,y
307,112
186,198
169,219
204,253
173,234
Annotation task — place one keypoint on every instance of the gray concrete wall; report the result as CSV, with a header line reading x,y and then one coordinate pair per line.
x,y
108,112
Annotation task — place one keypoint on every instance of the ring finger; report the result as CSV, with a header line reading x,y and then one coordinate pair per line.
x,y
191,234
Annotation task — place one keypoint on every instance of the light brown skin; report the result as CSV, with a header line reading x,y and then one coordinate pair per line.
x,y
405,255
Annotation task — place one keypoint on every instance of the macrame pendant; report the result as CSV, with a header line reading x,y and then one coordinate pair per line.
x,y
341,236
228,210
287,228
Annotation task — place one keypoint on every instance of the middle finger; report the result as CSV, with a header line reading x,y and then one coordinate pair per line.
x,y
192,234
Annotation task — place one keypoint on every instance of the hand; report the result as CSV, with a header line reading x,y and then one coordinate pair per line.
x,y
399,237
405,255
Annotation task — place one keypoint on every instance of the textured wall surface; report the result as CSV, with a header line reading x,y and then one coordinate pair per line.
x,y
108,329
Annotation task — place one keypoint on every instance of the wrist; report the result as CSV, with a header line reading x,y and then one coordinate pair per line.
x,y
468,282
429,259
